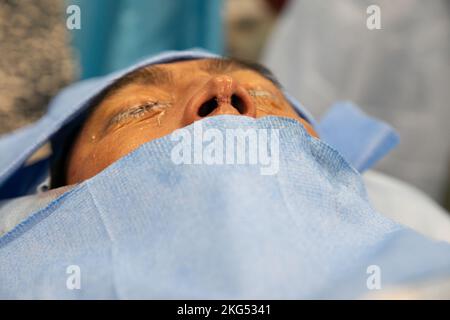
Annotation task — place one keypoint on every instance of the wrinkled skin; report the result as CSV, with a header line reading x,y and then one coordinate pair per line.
x,y
153,110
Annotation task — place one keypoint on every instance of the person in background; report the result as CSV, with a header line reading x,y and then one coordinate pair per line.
x,y
323,51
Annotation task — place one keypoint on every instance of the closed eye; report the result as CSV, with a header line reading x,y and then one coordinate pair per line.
x,y
265,100
260,94
135,112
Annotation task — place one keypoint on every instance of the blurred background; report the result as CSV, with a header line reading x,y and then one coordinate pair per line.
x,y
322,51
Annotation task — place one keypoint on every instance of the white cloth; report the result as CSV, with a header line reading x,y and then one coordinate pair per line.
x,y
407,205
323,52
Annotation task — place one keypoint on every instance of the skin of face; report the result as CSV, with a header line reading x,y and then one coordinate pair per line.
x,y
140,112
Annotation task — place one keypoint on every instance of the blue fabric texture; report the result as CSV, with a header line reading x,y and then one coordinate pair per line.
x,y
146,227
360,139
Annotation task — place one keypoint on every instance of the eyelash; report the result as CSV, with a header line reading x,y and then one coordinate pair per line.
x,y
265,99
138,111
260,94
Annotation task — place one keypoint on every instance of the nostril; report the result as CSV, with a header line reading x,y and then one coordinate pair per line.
x,y
207,107
238,103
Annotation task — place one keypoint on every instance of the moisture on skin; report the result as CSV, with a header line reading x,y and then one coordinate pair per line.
x,y
146,109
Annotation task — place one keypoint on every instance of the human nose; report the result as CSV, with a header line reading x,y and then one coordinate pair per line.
x,y
221,95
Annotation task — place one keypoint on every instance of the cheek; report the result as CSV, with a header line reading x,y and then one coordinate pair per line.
x,y
112,148
92,157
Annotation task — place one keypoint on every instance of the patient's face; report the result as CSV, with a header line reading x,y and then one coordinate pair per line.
x,y
156,100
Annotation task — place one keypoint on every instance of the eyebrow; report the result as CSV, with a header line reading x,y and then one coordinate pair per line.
x,y
156,75
149,75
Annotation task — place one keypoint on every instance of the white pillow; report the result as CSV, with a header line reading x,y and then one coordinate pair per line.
x,y
407,205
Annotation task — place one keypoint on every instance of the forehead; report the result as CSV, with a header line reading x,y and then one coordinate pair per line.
x,y
213,65
199,64
217,65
